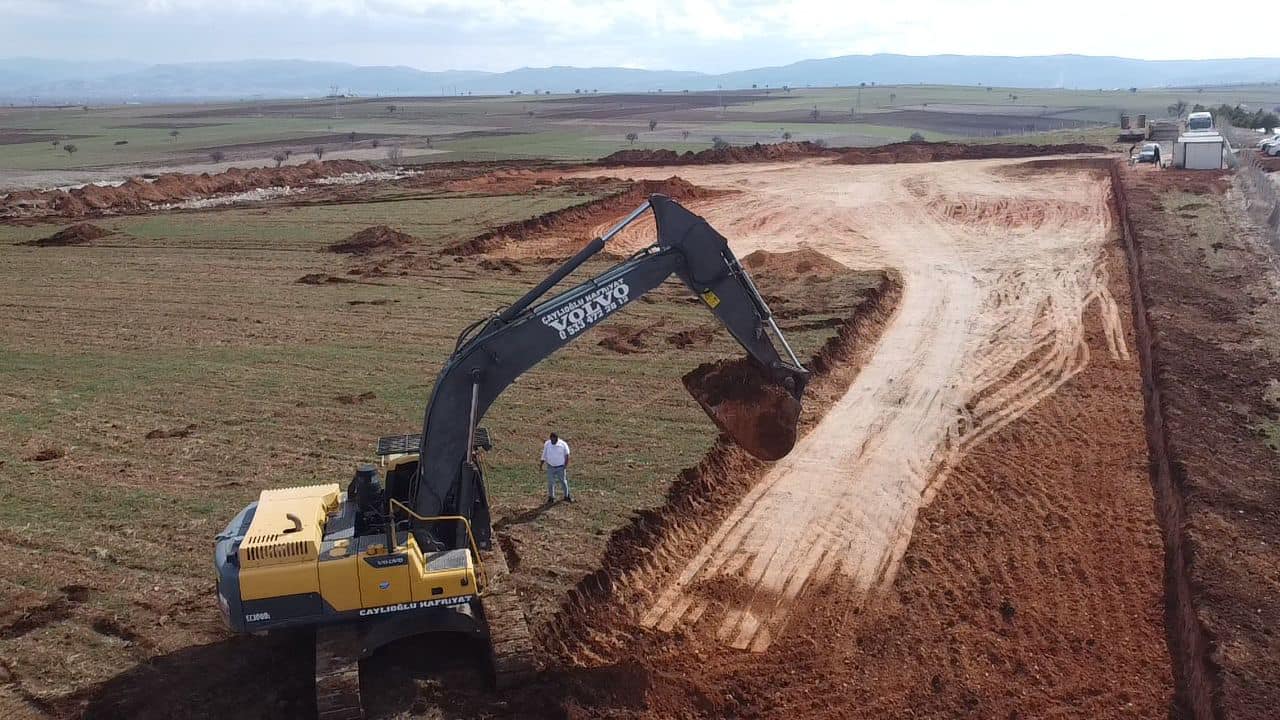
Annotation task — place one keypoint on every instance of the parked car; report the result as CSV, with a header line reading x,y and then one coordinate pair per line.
x,y
1272,150
1150,153
1268,140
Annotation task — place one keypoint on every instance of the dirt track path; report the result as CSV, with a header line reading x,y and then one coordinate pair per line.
x,y
999,268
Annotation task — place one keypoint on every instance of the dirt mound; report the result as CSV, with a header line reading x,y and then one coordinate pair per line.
x,y
914,152
162,433
802,264
747,405
744,154
517,181
579,216
373,239
694,336
626,340
137,195
500,265
323,279
80,234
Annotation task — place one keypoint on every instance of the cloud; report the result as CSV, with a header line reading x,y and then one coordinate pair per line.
x,y
709,35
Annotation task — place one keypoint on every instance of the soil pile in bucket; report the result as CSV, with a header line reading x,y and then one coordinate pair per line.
x,y
81,234
747,405
373,239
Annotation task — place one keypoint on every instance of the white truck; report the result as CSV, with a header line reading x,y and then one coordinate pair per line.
x,y
1200,122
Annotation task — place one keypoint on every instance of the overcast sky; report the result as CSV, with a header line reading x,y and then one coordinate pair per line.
x,y
706,35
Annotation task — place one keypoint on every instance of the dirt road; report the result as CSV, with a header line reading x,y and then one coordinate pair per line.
x,y
1000,266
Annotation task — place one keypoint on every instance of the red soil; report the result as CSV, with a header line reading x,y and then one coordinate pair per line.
x,y
746,153
579,216
747,404
81,234
895,153
137,195
803,264
913,152
373,239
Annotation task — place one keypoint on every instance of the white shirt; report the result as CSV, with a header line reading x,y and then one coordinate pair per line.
x,y
557,454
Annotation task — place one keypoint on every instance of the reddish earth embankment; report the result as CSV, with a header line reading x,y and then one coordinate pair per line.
x,y
935,152
744,153
137,194
79,234
893,153
377,238
1210,330
579,216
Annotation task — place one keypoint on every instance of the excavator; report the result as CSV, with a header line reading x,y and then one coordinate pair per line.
x,y
406,548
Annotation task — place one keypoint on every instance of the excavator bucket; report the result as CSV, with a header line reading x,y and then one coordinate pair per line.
x,y
748,405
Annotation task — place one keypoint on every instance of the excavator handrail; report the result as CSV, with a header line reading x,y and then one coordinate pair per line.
x,y
475,549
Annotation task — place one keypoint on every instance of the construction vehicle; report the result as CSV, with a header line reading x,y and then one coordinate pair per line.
x,y
407,547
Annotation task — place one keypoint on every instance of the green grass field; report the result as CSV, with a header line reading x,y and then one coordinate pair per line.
x,y
555,127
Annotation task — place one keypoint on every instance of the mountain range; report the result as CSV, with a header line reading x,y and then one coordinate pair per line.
x,y
25,80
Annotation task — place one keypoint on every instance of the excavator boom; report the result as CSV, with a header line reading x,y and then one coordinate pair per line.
x,y
493,354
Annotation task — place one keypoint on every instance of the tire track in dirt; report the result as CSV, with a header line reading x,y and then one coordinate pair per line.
x,y
999,271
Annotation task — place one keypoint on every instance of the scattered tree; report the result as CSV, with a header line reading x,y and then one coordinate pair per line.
x,y
70,148
217,156
1240,117
1133,89
684,134
1198,108
653,124
428,141
318,151
917,137
1176,109
577,91
786,88
56,144
288,153
173,134
375,142
819,142
395,153
391,109
632,137
530,113
719,143
893,97
786,136
351,137
279,157
813,114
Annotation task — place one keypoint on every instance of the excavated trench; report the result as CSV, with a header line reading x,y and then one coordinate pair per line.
x,y
598,618
1189,642
598,621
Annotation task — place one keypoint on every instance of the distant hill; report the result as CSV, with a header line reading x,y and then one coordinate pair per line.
x,y
52,80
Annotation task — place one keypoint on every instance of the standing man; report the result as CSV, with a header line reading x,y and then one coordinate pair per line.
x,y
555,457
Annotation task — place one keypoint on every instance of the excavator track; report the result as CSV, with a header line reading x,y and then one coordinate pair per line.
x,y
514,661
338,673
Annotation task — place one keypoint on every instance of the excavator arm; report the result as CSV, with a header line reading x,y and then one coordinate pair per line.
x,y
491,354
